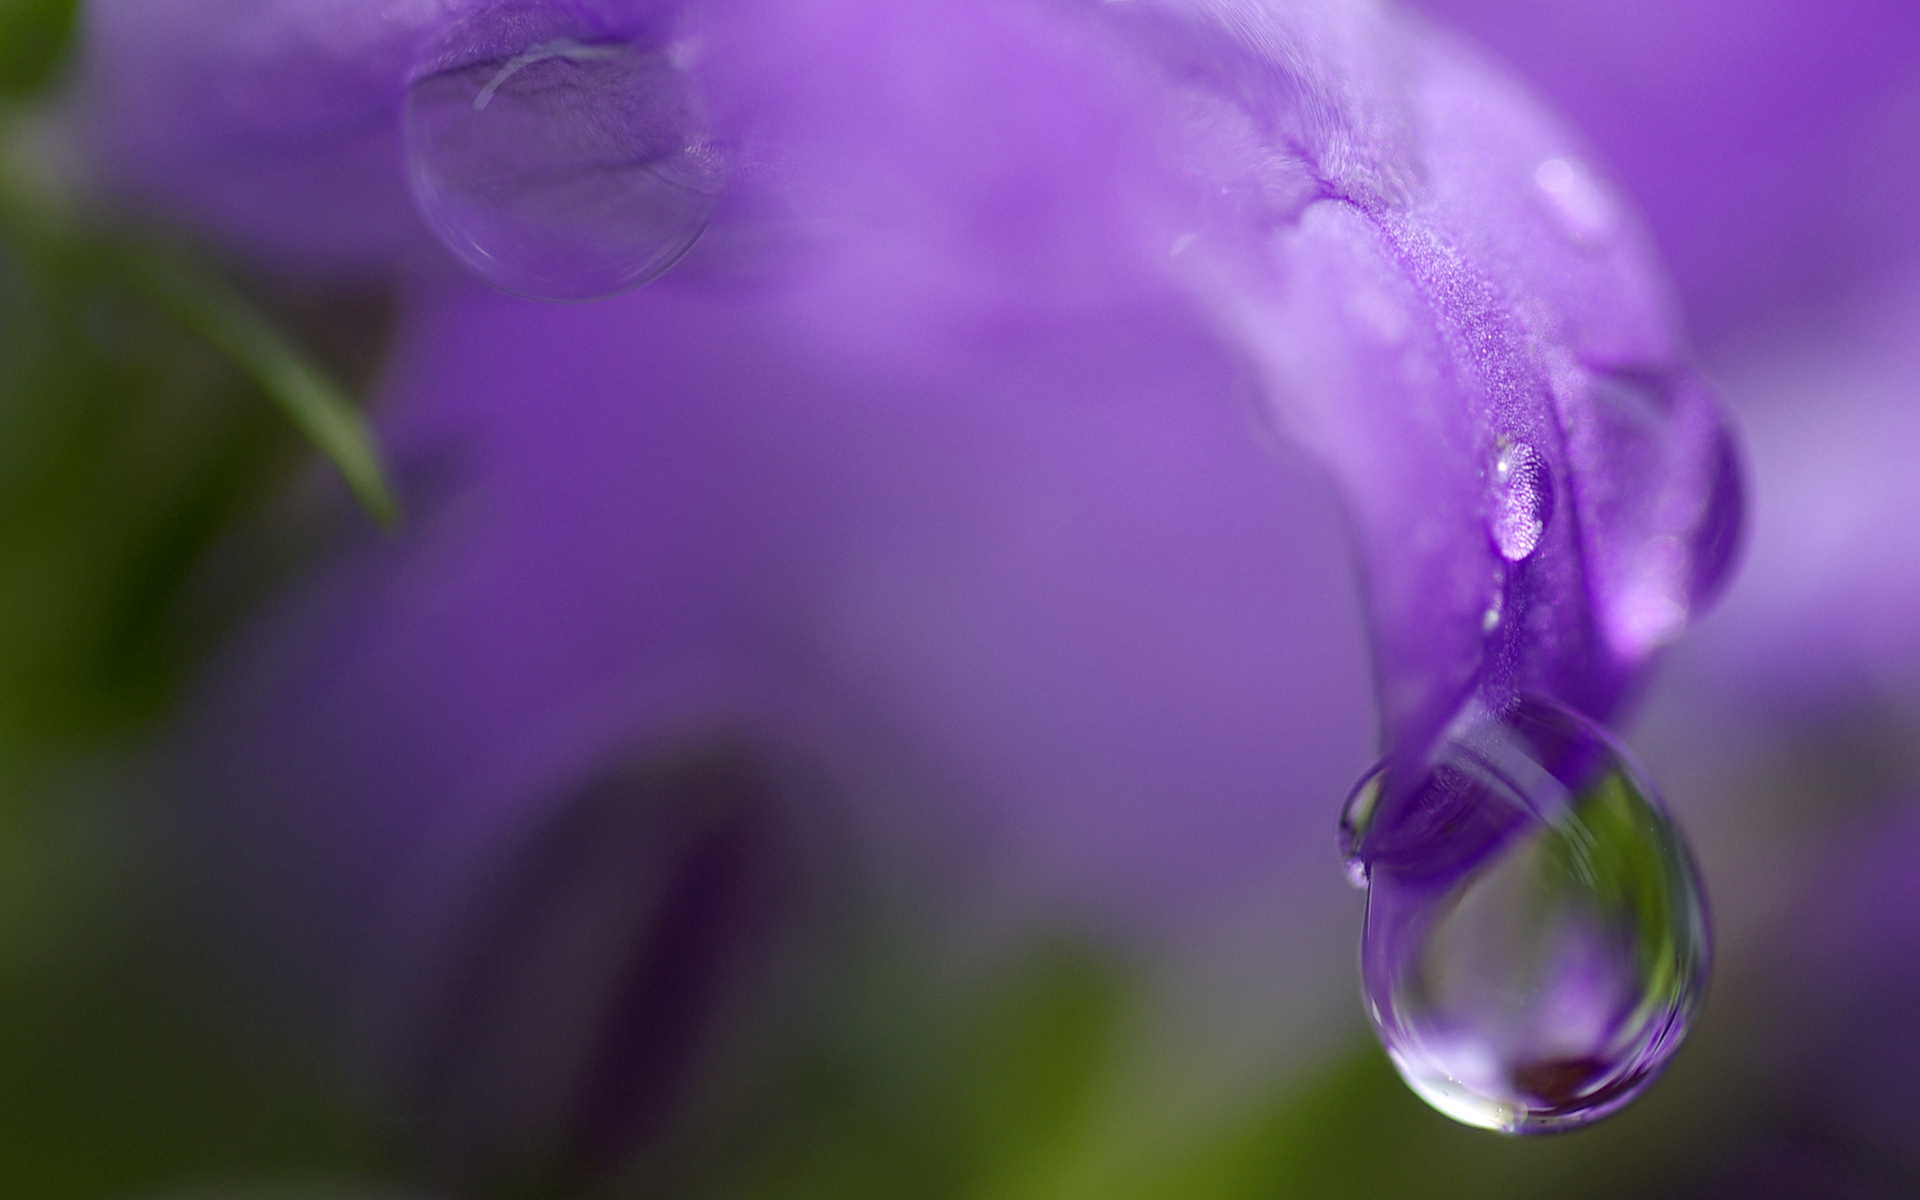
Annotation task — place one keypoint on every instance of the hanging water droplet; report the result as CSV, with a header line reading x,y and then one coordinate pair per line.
x,y
1536,941
1580,205
1522,500
570,170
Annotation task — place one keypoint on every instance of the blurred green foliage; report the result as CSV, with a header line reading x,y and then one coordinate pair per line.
x,y
927,1086
126,447
33,43
1021,1090
131,444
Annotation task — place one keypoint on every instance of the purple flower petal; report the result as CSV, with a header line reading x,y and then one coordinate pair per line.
x,y
1459,286
1420,263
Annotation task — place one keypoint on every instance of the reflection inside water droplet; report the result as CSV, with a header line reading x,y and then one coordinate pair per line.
x,y
1522,500
1536,942
571,170
1356,815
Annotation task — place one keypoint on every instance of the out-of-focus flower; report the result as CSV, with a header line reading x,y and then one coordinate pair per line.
x,y
928,469
1770,145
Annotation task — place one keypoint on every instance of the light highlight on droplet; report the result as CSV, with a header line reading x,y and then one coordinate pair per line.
x,y
569,170
1536,942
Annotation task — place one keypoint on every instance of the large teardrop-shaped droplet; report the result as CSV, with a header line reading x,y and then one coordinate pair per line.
x,y
570,169
1536,941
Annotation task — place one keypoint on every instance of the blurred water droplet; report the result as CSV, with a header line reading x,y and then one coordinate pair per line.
x,y
1651,608
1659,506
571,170
1522,500
1536,941
1580,205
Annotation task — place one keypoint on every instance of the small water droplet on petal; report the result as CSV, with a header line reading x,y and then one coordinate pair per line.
x,y
1536,941
1522,500
571,170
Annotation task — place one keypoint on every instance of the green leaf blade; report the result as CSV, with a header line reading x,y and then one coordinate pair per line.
x,y
317,405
